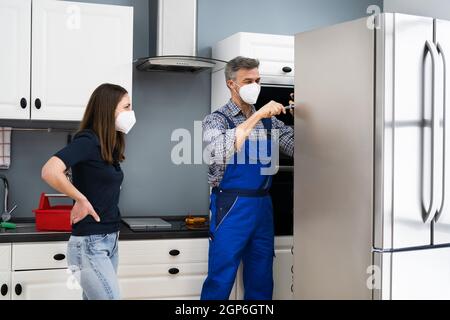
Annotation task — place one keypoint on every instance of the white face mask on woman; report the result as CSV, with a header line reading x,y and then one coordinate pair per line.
x,y
250,93
125,121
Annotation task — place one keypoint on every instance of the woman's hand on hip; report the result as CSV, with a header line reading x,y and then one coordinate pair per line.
x,y
81,210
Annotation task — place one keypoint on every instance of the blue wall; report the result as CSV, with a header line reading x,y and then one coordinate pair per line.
x,y
167,101
219,19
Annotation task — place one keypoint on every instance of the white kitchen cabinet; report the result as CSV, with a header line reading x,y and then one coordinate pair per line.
x,y
5,256
163,269
44,285
169,269
162,281
39,272
77,47
37,256
148,269
15,35
274,52
148,252
5,271
55,53
282,271
5,285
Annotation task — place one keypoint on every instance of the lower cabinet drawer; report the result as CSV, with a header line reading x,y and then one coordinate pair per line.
x,y
52,255
163,251
38,256
5,257
167,281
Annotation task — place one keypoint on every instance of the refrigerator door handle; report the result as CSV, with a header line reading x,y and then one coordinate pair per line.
x,y
444,127
430,213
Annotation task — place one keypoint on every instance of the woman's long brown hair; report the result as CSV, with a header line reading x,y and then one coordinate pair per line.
x,y
100,118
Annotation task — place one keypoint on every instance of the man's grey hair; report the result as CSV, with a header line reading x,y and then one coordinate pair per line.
x,y
237,64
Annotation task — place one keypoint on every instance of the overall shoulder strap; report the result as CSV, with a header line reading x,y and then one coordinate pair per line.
x,y
267,122
231,124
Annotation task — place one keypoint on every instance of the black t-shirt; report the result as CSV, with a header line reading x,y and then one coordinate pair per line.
x,y
97,180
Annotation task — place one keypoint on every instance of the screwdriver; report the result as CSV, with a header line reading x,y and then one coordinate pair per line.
x,y
289,107
291,103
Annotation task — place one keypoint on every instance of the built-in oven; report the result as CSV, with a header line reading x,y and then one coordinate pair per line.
x,y
282,190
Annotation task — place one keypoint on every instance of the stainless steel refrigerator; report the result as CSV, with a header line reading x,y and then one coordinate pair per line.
x,y
372,160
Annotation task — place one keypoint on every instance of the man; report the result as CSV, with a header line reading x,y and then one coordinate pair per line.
x,y
241,225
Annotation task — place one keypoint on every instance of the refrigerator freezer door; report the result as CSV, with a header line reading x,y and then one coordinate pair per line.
x,y
333,161
421,274
442,220
403,136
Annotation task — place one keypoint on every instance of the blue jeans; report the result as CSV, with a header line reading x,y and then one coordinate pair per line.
x,y
93,261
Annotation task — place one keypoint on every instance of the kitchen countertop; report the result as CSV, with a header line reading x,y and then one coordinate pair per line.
x,y
26,232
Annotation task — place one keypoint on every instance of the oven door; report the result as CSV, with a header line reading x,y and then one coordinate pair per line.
x,y
277,93
282,190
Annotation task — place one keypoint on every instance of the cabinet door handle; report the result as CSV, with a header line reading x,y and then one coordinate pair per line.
x,y
174,252
59,257
287,69
38,103
292,269
23,103
4,290
292,288
18,289
174,271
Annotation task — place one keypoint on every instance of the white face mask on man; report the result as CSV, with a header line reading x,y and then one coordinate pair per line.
x,y
125,121
250,93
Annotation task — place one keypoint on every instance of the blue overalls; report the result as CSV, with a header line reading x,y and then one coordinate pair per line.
x,y
241,225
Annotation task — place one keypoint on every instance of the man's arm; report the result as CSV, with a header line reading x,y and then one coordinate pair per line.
x,y
223,142
286,137
268,111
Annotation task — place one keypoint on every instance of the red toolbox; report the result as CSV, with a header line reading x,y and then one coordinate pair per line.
x,y
52,218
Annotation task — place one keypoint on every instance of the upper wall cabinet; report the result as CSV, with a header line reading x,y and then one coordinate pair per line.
x,y
275,53
75,47
15,37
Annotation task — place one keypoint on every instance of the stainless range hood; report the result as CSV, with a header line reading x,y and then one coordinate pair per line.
x,y
176,39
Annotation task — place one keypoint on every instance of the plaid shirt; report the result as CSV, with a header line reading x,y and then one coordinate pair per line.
x,y
220,139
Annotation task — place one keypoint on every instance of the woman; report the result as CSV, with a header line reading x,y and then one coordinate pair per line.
x,y
94,156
